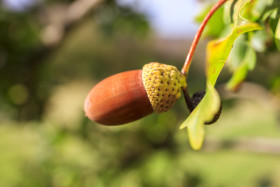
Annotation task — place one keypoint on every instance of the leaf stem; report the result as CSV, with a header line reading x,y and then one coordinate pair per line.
x,y
187,63
188,99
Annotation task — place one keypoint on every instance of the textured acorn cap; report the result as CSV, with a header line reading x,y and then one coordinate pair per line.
x,y
163,85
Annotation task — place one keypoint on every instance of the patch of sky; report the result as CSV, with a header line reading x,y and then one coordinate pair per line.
x,y
170,19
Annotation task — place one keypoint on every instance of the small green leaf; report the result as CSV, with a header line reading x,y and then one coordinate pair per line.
x,y
228,12
251,58
277,35
238,77
215,25
237,53
262,8
241,71
258,40
204,112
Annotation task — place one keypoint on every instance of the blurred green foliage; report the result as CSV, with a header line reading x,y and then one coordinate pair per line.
x,y
149,152
45,139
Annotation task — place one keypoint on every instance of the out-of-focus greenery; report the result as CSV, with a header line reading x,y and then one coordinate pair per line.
x,y
149,152
45,139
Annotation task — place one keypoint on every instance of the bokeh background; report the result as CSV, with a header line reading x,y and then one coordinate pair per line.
x,y
53,51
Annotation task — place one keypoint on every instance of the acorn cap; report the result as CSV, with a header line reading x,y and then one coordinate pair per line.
x,y
163,85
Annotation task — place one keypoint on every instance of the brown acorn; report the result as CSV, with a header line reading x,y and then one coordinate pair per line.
x,y
131,95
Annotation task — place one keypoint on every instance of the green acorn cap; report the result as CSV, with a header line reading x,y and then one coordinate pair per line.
x,y
163,84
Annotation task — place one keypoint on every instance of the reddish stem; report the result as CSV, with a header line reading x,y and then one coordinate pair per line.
x,y
187,63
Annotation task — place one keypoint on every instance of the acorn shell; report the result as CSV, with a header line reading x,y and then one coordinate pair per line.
x,y
118,99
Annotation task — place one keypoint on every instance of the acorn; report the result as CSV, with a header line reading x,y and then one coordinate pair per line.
x,y
131,95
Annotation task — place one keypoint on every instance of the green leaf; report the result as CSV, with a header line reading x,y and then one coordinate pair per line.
x,y
217,54
258,40
241,71
277,35
262,8
238,77
237,53
242,59
218,50
204,112
215,25
250,58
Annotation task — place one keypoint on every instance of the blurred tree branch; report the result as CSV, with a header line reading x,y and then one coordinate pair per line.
x,y
59,19
250,90
24,59
255,145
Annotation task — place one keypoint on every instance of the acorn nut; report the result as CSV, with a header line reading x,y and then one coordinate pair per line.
x,y
131,95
